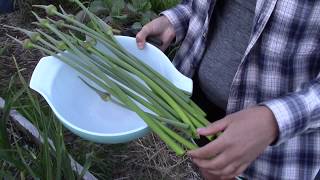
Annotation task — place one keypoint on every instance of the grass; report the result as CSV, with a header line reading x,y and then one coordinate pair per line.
x,y
47,161
3,49
145,158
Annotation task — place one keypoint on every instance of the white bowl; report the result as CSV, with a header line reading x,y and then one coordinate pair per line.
x,y
83,112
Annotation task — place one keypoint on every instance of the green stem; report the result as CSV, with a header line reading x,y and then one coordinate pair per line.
x,y
126,100
181,126
110,45
127,80
153,86
179,138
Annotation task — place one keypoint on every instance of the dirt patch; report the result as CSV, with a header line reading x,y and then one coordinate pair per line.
x,y
27,59
145,158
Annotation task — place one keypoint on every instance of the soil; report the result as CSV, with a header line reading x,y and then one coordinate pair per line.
x,y
26,59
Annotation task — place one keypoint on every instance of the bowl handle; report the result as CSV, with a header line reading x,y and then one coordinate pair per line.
x,y
44,74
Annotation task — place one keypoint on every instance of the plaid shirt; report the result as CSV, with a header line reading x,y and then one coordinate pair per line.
x,y
279,69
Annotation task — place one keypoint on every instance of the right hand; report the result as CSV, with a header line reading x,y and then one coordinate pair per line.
x,y
160,28
208,176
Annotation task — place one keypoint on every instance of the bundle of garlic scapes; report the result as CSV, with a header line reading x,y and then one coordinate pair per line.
x,y
175,116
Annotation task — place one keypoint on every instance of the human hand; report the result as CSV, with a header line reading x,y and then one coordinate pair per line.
x,y
160,28
208,176
246,134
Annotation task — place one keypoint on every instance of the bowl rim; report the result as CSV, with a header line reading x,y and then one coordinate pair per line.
x,y
88,132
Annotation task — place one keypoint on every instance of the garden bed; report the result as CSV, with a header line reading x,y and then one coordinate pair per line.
x,y
145,158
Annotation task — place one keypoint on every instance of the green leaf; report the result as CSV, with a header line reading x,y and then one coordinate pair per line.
x,y
141,5
136,25
23,160
146,6
87,164
6,175
4,139
2,50
108,4
7,156
159,6
131,8
147,17
121,17
117,7
135,4
98,6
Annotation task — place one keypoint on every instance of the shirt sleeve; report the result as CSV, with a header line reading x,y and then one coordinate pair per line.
x,y
179,17
297,112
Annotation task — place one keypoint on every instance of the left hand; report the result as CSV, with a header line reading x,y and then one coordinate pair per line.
x,y
246,134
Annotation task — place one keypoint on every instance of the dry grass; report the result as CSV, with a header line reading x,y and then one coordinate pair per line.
x,y
150,159
145,158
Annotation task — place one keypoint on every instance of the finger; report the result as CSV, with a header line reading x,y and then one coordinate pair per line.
x,y
239,171
214,127
142,35
227,178
229,171
205,164
208,151
218,163
207,175
230,177
166,40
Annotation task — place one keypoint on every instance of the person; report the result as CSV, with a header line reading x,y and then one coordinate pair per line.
x,y
259,60
6,6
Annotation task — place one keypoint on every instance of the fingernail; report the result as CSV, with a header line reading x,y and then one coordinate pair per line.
x,y
200,130
140,45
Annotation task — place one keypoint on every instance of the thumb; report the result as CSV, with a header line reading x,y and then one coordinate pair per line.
x,y
214,127
141,36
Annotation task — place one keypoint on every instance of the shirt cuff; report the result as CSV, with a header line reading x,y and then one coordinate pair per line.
x,y
294,113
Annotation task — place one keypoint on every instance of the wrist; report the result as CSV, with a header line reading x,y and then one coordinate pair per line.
x,y
271,123
169,26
